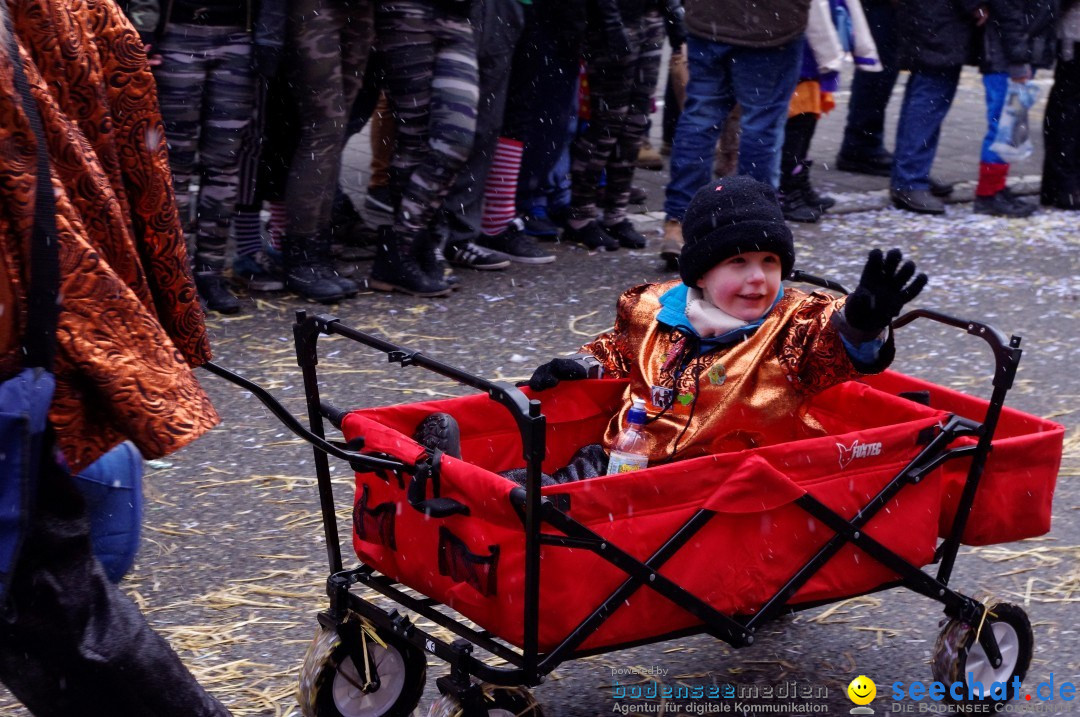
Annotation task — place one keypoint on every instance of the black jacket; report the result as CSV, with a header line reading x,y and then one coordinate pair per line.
x,y
1020,33
748,23
936,34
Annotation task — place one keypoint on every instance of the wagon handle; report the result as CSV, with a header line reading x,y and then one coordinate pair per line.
x,y
1006,350
357,461
805,278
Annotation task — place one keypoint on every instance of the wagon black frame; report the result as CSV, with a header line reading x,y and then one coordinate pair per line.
x,y
528,665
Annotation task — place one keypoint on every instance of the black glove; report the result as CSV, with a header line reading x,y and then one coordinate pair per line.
x,y
265,60
561,369
882,292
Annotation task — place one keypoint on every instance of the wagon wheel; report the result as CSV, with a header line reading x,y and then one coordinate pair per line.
x,y
498,702
333,685
958,652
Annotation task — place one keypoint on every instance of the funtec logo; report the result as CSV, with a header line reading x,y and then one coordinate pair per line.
x,y
857,450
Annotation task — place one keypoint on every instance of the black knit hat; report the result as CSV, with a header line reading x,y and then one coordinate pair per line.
x,y
732,216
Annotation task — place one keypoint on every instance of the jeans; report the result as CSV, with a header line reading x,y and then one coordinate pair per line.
x,y
761,80
927,99
996,86
870,91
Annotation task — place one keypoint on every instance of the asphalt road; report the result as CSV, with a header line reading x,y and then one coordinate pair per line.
x,y
233,559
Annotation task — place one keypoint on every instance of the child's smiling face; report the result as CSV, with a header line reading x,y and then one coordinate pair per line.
x,y
744,285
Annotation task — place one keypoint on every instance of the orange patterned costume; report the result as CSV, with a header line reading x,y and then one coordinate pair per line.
x,y
130,327
747,394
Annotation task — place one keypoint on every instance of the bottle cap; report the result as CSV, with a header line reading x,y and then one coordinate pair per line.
x,y
637,413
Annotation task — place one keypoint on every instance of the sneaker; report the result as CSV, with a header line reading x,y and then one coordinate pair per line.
x,y
258,272
638,195
538,224
627,236
649,158
517,245
439,432
1003,204
215,294
472,256
672,243
592,237
380,199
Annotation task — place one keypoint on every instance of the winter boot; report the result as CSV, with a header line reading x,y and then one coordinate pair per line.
x,y
794,202
215,294
432,260
672,243
795,207
627,235
307,274
439,432
396,269
822,202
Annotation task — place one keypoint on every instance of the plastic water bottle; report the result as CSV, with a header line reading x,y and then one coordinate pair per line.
x,y
631,452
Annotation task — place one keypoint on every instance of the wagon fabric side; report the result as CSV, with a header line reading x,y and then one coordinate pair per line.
x,y
756,541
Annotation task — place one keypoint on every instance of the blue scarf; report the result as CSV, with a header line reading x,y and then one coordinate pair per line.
x,y
673,313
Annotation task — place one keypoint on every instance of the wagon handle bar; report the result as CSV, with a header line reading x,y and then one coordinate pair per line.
x,y
805,278
1006,350
520,406
358,461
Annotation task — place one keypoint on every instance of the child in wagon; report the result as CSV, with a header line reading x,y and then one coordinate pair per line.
x,y
727,358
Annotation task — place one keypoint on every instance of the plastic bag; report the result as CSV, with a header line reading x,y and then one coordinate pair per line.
x,y
1013,142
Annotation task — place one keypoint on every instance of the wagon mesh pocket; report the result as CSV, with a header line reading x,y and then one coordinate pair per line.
x,y
374,525
464,566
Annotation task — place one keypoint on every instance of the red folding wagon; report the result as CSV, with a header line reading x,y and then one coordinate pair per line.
x,y
534,576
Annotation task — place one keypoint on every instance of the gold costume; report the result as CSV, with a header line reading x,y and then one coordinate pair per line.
x,y
748,394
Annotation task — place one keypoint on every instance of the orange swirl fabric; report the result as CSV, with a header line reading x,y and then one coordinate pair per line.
x,y
130,326
747,395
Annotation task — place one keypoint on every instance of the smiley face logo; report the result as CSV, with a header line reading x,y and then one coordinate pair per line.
x,y
862,690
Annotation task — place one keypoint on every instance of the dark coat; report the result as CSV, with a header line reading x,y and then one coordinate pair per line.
x,y
1019,33
747,23
935,34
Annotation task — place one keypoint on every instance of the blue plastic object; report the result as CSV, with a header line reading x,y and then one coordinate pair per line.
x,y
112,487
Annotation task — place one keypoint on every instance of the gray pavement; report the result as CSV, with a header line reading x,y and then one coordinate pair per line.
x,y
233,563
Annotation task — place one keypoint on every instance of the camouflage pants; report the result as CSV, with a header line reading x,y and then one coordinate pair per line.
x,y
328,44
431,81
620,94
206,90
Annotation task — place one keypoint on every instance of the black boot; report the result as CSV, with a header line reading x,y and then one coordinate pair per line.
x,y
439,431
796,209
395,269
212,290
325,265
822,202
307,274
430,259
